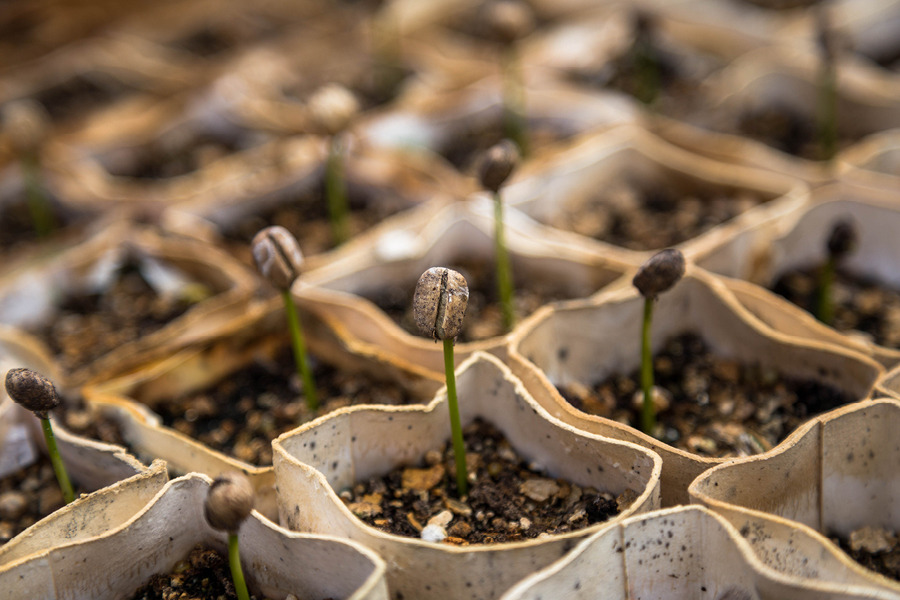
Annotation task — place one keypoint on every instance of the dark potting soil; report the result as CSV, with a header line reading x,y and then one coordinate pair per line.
x,y
27,496
786,130
716,407
467,145
508,500
242,414
87,327
638,218
80,94
874,548
484,316
860,304
17,227
86,421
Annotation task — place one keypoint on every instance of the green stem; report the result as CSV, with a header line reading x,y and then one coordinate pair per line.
x,y
648,72
824,304
56,460
237,574
827,112
459,448
648,413
336,192
309,384
38,203
504,273
514,125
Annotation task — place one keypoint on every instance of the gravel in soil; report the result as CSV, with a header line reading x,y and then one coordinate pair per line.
x,y
484,316
875,548
709,405
88,326
509,500
639,218
27,496
860,304
242,414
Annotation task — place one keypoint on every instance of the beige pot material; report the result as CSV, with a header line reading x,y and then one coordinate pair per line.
x,y
316,461
571,344
441,236
276,562
842,469
874,161
170,265
798,240
629,156
674,554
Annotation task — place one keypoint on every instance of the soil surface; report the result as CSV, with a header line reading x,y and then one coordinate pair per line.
x,y
874,548
786,130
860,304
508,501
241,415
639,218
87,327
17,227
716,407
484,316
27,496
80,94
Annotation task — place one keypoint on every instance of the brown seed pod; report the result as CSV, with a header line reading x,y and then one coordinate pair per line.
x,y
842,239
27,126
507,20
332,108
497,165
439,304
32,390
659,273
229,501
277,256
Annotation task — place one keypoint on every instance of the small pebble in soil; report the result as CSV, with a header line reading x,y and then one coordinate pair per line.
x,y
861,305
716,406
508,500
875,548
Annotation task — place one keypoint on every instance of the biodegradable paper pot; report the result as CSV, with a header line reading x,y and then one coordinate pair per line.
x,y
276,562
842,469
798,240
629,156
874,162
675,554
32,291
319,459
572,343
395,258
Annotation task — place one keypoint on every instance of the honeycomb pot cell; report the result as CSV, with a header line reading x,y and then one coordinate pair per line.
x,y
320,460
874,161
566,350
122,296
677,553
277,562
629,189
842,468
368,293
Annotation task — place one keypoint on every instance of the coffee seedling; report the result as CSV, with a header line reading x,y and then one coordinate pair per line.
x,y
646,61
841,242
662,271
228,504
278,258
439,306
827,109
27,125
38,394
332,108
496,167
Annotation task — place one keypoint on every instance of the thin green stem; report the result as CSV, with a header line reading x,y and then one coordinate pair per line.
x,y
300,358
336,192
824,303
38,203
56,460
504,272
514,125
648,412
827,124
237,574
647,71
459,448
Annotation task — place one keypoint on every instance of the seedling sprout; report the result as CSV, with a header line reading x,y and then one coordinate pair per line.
x,y
841,242
27,126
228,504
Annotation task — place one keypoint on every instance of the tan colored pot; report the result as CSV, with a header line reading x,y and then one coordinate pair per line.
x,y
441,236
874,162
544,189
571,343
275,562
319,459
842,469
32,291
678,553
